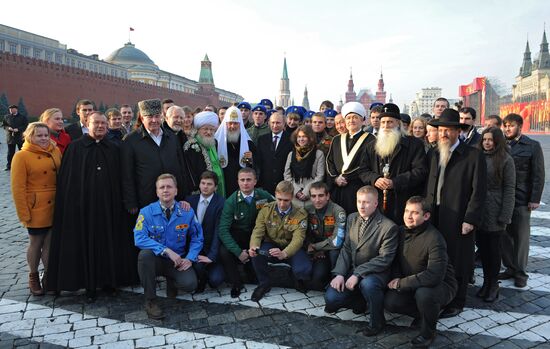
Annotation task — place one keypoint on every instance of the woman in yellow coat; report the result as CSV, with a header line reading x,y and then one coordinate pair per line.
x,y
33,182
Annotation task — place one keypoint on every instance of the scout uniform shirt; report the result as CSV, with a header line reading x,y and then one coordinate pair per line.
x,y
326,229
238,219
154,232
287,232
323,142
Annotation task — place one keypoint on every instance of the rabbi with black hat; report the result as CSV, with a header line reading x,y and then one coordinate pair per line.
x,y
397,165
456,190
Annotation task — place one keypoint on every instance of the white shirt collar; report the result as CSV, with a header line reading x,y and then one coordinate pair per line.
x,y
276,134
158,138
202,198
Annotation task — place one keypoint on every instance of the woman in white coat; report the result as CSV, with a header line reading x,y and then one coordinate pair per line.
x,y
305,164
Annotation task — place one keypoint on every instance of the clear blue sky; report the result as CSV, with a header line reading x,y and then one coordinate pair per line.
x,y
417,43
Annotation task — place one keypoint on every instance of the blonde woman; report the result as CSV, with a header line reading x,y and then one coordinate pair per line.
x,y
53,118
33,185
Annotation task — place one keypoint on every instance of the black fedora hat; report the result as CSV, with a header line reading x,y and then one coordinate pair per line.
x,y
391,110
449,118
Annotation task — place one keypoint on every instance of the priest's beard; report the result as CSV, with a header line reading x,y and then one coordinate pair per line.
x,y
387,141
233,136
444,146
208,142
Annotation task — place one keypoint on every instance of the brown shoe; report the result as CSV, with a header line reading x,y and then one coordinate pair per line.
x,y
171,289
34,284
153,310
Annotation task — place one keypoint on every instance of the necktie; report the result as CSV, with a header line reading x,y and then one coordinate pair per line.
x,y
362,228
248,199
168,213
275,142
203,211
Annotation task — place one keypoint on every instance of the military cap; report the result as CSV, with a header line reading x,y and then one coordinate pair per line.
x,y
330,113
244,105
375,104
296,110
267,103
309,114
260,107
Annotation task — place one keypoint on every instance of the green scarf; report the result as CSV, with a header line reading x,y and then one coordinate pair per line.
x,y
216,168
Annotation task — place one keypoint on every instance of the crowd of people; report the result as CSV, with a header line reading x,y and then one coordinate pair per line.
x,y
375,209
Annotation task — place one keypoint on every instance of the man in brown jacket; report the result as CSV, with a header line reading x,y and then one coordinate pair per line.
x,y
423,280
278,236
363,267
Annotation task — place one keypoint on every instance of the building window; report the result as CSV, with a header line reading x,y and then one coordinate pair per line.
x,y
37,53
49,56
79,64
2,45
25,51
13,48
72,62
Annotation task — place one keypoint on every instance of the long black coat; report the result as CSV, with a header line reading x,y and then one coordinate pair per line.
x,y
143,161
408,170
90,248
462,198
355,174
18,121
270,162
74,130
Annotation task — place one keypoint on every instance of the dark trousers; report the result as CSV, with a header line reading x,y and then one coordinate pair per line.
x,y
489,252
11,152
300,264
424,303
231,264
370,288
515,243
320,275
150,266
212,272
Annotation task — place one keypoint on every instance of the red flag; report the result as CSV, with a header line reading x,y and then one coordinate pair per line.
x,y
131,29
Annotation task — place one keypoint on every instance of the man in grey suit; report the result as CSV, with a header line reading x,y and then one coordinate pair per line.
x,y
363,267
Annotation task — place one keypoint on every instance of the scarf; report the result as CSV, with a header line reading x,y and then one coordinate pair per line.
x,y
301,163
216,168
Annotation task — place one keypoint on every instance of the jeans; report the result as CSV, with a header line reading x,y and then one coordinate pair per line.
x,y
370,288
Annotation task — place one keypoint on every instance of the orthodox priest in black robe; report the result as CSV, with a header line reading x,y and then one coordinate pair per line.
x,y
90,248
235,148
347,159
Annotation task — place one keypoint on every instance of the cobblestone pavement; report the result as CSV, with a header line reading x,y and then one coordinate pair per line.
x,y
284,318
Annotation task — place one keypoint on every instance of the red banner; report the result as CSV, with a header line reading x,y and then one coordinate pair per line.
x,y
536,114
477,85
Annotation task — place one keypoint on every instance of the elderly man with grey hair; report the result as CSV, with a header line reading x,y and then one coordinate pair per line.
x,y
173,121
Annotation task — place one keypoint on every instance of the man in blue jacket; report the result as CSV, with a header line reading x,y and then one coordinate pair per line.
x,y
162,232
208,205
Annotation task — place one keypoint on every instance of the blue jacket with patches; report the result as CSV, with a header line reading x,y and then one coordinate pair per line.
x,y
154,232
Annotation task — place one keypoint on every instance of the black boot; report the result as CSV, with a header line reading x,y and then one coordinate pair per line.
x,y
492,293
482,293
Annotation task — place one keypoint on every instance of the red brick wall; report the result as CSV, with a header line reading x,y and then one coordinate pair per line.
x,y
46,85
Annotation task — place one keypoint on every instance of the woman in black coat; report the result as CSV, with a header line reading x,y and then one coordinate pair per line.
x,y
498,208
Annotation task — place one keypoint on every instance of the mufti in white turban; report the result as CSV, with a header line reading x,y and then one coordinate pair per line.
x,y
205,118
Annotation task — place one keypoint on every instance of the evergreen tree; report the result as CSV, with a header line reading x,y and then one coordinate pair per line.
x,y
102,108
3,105
74,114
21,109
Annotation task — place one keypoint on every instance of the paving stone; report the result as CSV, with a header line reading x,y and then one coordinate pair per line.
x,y
87,332
243,314
80,342
215,341
148,342
195,344
105,338
135,334
44,330
119,345
180,337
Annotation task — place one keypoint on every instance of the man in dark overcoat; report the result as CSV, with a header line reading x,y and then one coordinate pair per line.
x,y
272,152
14,124
457,186
347,158
397,165
146,153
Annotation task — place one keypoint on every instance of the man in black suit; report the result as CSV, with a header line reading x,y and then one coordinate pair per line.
x,y
272,150
208,206
83,108
470,135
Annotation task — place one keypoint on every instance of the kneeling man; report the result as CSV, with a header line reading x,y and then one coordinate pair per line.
x,y
424,281
161,233
278,237
363,267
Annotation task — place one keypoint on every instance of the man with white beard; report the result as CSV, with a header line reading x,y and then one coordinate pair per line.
x,y
235,148
200,150
397,165
456,190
